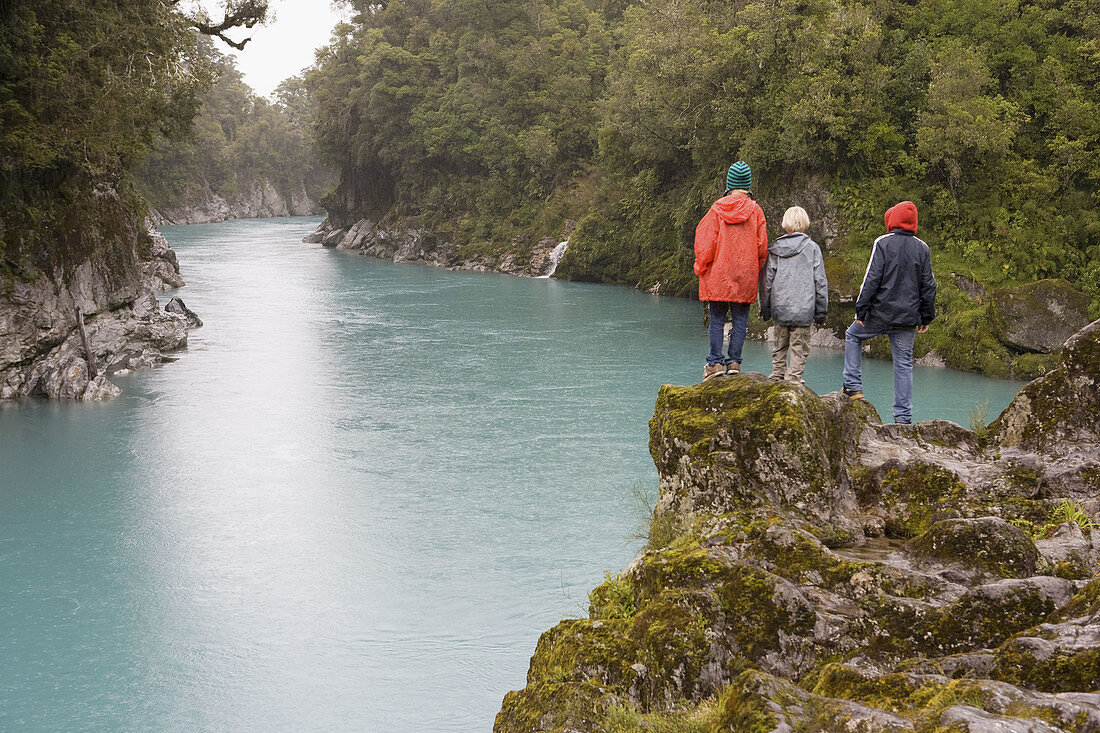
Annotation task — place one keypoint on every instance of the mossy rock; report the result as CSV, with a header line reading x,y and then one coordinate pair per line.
x,y
743,442
757,702
911,495
1062,406
1038,316
584,650
989,544
802,558
1036,663
888,692
553,707
987,615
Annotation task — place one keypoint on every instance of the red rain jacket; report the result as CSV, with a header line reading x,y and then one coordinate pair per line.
x,y
731,245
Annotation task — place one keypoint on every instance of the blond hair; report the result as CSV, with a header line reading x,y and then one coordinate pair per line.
x,y
795,219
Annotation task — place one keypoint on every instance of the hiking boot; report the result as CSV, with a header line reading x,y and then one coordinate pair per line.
x,y
713,370
853,394
734,367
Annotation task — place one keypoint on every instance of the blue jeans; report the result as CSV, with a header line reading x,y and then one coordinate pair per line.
x,y
739,318
901,349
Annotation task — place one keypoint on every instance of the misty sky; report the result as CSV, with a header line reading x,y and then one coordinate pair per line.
x,y
286,46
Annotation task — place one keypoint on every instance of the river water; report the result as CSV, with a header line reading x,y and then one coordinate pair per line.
x,y
353,503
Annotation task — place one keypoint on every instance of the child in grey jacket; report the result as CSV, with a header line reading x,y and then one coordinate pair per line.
x,y
795,292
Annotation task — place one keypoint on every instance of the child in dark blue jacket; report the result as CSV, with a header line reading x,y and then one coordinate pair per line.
x,y
897,298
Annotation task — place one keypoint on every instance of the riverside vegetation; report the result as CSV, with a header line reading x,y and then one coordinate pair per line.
x,y
481,134
812,569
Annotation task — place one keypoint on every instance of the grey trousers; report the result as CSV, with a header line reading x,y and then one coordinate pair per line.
x,y
795,342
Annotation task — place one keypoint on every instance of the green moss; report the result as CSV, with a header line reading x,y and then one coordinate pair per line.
x,y
888,692
987,543
742,707
1032,366
553,707
583,650
1085,603
670,638
683,566
762,413
802,559
916,495
897,628
976,621
1077,671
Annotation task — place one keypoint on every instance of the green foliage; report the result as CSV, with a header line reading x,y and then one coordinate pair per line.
x,y
1070,511
979,417
626,719
1065,511
614,599
87,87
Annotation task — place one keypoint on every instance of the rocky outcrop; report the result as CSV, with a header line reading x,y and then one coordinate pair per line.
x,y
810,568
261,199
110,299
409,244
1038,316
178,307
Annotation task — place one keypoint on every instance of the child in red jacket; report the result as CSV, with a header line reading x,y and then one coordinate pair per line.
x,y
731,245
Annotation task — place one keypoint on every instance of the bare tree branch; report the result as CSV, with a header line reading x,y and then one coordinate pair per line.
x,y
238,14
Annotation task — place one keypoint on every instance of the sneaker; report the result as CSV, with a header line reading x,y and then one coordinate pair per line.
x,y
713,370
734,367
853,394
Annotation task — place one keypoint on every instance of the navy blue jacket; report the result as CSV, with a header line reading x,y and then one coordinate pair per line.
x,y
899,288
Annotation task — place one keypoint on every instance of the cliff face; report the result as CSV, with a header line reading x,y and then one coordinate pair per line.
x,y
41,346
810,568
261,199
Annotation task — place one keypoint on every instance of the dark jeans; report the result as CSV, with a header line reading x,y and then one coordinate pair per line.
x,y
739,319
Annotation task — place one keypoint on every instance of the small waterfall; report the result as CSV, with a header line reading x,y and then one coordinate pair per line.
x,y
555,257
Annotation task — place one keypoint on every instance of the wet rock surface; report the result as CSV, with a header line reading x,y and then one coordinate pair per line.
x,y
811,569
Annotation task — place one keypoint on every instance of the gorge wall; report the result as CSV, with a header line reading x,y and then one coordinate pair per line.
x,y
259,199
111,294
812,569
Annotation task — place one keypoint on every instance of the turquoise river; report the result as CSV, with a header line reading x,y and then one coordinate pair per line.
x,y
353,503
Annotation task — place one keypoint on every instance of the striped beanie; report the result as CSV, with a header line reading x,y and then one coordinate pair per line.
x,y
739,176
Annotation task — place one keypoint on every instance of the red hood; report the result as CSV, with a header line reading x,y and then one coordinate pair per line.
x,y
902,216
733,209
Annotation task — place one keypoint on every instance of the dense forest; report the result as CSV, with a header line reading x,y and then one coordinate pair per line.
x,y
237,140
87,89
493,123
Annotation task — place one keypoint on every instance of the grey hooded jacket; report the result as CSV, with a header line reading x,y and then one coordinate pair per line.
x,y
793,287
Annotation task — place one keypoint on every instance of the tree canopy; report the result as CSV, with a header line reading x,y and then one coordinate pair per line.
x,y
86,88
